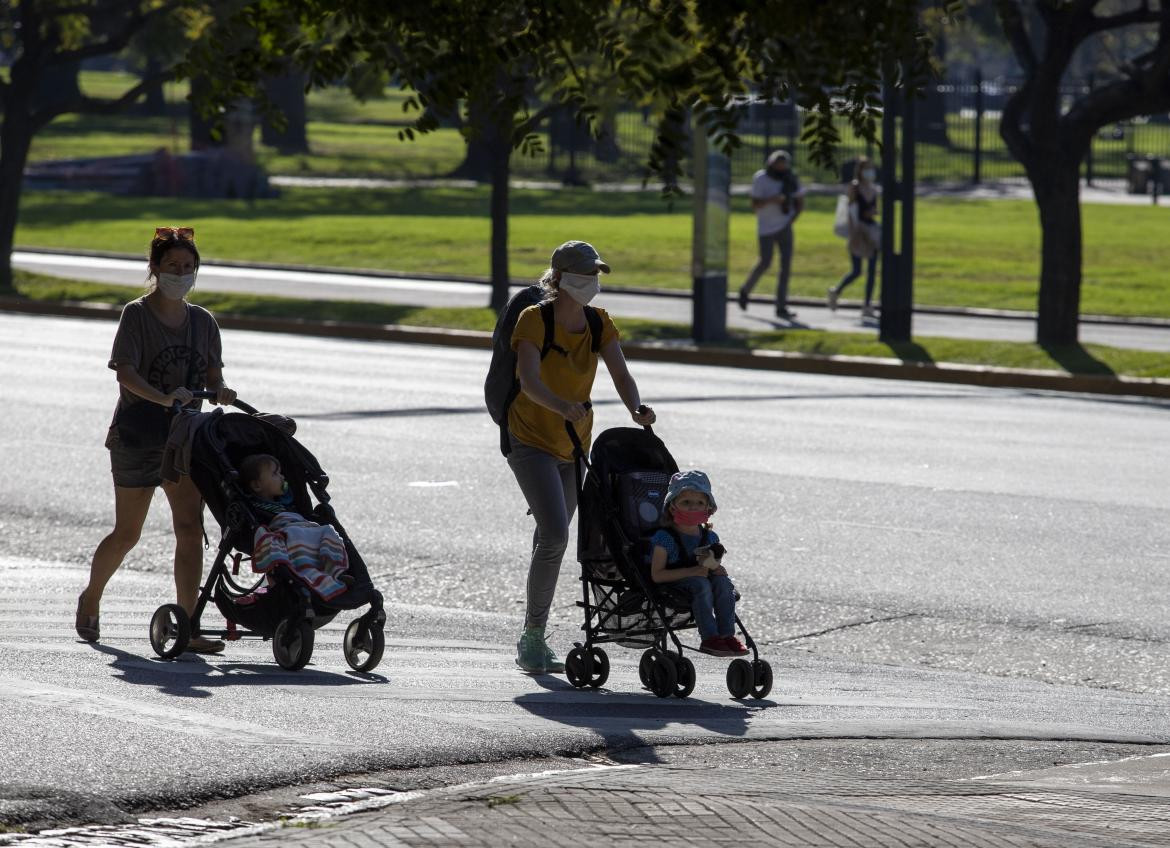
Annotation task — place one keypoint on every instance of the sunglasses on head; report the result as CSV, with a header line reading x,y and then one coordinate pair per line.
x,y
183,233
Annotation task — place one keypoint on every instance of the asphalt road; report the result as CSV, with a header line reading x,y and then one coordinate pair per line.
x,y
917,561
760,315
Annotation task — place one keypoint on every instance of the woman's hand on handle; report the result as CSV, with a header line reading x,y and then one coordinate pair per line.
x,y
181,396
225,396
644,416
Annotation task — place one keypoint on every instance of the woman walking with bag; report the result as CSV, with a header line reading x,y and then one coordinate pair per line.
x,y
555,389
864,235
164,349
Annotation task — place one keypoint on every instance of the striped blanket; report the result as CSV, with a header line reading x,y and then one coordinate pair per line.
x,y
313,552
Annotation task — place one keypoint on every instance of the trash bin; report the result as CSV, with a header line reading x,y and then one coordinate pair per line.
x,y
1137,174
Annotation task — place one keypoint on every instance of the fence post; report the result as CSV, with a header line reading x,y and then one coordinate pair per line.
x,y
978,152
792,132
767,108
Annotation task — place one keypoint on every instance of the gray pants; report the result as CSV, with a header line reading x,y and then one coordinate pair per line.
x,y
783,239
550,487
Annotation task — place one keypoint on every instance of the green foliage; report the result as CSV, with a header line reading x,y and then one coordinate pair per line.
x,y
703,56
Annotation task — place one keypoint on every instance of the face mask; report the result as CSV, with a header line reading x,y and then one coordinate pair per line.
x,y
691,517
869,174
175,286
581,287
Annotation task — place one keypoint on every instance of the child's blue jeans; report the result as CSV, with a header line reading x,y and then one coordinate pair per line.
x,y
713,604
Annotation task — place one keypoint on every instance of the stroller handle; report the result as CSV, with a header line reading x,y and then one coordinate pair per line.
x,y
209,395
643,408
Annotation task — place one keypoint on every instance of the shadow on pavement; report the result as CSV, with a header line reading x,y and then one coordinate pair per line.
x,y
193,676
620,717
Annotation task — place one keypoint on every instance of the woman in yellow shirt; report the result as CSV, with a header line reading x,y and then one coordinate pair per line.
x,y
554,390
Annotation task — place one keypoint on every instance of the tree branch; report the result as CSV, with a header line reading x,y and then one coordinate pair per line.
x,y
1011,17
1141,15
114,43
98,106
1117,101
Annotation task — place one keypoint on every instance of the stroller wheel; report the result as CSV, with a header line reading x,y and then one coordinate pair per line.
x,y
170,631
685,671
363,645
292,643
587,667
644,667
663,675
740,678
763,679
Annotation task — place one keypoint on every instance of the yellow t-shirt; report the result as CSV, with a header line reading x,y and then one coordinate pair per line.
x,y
568,376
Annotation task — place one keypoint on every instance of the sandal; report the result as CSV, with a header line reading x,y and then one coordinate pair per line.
x,y
86,625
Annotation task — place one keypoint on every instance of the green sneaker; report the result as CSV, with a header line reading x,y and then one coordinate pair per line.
x,y
534,655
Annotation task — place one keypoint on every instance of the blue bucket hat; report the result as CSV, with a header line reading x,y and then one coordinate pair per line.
x,y
695,481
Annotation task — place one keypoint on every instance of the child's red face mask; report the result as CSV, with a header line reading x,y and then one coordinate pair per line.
x,y
690,509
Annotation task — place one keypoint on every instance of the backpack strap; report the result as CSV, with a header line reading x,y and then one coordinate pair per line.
x,y
550,327
592,320
687,559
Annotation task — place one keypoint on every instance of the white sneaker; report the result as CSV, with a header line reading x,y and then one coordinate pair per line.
x,y
831,299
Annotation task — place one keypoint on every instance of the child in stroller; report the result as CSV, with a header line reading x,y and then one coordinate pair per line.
x,y
279,606
621,507
687,553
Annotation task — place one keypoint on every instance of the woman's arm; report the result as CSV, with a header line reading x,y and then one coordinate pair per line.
x,y
129,377
659,573
223,395
528,369
623,381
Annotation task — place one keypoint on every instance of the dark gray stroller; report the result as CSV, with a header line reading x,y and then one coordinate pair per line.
x,y
281,609
620,506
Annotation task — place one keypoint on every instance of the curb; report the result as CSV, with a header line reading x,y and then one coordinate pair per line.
x,y
682,353
643,291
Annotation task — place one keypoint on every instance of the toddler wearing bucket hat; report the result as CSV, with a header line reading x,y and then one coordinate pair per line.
x,y
687,553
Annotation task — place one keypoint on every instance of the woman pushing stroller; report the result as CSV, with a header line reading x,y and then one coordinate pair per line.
x,y
555,388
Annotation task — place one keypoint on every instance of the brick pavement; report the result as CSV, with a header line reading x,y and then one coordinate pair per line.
x,y
690,805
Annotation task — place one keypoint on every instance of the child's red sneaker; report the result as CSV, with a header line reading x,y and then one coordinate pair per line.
x,y
733,646
715,646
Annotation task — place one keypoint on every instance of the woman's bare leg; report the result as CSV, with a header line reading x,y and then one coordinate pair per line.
x,y
130,508
187,517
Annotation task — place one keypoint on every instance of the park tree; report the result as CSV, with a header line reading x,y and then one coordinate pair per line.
x,y
1050,134
47,40
505,65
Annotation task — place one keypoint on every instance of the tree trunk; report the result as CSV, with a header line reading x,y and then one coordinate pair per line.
x,y
1056,184
501,168
199,126
15,139
154,102
287,95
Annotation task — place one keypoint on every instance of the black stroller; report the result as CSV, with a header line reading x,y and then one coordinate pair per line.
x,y
620,505
284,609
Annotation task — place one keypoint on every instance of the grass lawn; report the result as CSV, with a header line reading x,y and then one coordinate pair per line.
x,y
969,253
1088,359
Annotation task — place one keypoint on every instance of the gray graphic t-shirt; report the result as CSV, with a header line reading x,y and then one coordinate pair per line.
x,y
166,358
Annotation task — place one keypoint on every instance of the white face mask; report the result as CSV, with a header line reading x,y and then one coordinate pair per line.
x,y
175,286
581,287
869,174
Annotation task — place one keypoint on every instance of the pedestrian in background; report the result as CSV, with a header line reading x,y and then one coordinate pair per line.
x,y
555,389
164,349
778,200
864,235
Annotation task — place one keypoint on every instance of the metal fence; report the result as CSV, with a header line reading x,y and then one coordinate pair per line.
x,y
957,130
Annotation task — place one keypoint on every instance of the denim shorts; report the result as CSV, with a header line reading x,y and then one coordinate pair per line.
x,y
135,468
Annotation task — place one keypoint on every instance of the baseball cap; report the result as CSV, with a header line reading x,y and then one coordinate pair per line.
x,y
778,156
695,481
577,257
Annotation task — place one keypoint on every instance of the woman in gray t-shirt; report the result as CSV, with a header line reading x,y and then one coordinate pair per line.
x,y
164,349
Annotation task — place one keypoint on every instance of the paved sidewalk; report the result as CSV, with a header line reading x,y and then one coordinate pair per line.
x,y
700,806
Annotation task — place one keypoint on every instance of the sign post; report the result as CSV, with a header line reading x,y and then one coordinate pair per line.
x,y
709,244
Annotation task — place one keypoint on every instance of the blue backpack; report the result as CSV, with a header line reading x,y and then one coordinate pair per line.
x,y
501,385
